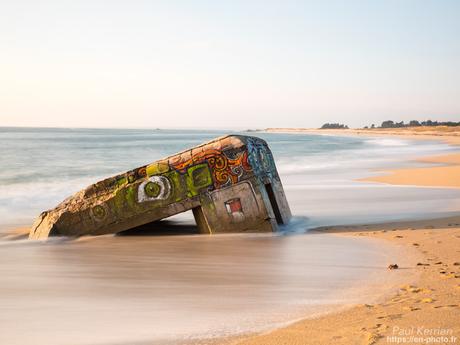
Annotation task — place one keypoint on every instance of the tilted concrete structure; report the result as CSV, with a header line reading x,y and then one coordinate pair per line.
x,y
230,183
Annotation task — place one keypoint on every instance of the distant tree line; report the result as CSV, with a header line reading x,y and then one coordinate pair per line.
x,y
334,126
415,123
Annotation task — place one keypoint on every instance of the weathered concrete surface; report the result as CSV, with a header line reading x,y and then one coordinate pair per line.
x,y
230,183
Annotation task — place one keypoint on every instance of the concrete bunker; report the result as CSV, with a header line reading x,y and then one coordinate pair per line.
x,y
231,185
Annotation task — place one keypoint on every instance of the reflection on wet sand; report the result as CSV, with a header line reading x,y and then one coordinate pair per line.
x,y
161,289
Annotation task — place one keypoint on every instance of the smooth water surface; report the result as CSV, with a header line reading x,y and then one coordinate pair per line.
x,y
177,289
41,167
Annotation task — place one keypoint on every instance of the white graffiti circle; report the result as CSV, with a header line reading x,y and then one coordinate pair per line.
x,y
154,188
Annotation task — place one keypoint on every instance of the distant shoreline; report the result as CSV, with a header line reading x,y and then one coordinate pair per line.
x,y
446,173
451,135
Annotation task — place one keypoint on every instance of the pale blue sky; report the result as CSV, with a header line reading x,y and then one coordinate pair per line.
x,y
228,64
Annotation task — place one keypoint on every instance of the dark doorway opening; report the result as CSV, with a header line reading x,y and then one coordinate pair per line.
x,y
272,198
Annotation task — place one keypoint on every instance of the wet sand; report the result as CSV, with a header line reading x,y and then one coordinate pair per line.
x,y
183,289
427,311
432,302
199,289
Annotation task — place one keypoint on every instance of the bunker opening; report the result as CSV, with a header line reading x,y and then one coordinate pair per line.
x,y
274,203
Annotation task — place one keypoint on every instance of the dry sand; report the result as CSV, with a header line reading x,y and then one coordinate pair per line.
x,y
448,134
446,175
425,312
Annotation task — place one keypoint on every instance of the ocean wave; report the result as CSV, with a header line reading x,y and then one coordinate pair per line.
x,y
34,178
20,203
297,225
388,142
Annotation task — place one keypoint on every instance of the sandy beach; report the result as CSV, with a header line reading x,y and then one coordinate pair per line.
x,y
427,311
386,307
230,173
445,169
444,173
448,134
432,303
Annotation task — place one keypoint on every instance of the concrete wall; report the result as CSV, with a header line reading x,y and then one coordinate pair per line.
x,y
223,181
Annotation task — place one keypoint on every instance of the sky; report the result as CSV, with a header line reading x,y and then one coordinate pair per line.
x,y
227,64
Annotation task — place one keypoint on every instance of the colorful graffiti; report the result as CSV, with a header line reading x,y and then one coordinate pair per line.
x,y
186,175
99,212
154,188
207,178
225,170
201,170
260,158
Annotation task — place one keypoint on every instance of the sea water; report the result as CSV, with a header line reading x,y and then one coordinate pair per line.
x,y
39,167
184,289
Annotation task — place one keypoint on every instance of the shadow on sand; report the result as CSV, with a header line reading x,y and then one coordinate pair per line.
x,y
161,228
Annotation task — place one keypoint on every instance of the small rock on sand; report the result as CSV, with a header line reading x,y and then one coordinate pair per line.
x,y
427,300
